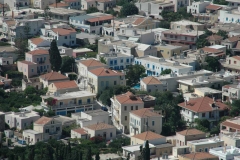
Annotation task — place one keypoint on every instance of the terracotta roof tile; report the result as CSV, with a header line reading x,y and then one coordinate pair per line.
x,y
236,57
233,39
92,63
203,104
214,37
99,126
151,80
10,23
148,135
54,76
238,45
63,31
145,112
80,131
1,83
226,86
105,72
213,7
139,21
102,18
38,51
231,124
65,84
60,4
189,132
211,50
128,98
27,62
199,156
36,41
43,120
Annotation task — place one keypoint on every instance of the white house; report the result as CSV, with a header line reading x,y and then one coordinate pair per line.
x,y
226,16
6,60
198,7
152,84
31,137
35,43
79,133
230,92
145,119
225,153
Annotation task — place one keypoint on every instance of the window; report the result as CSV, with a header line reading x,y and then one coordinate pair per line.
x,y
57,128
110,134
200,150
65,37
121,60
136,107
32,70
131,107
115,82
235,62
102,83
125,108
46,130
72,42
153,123
80,102
125,118
203,114
88,100
206,149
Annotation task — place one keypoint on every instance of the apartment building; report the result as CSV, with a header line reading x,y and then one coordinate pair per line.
x,y
68,4
116,60
154,66
101,78
70,102
91,117
226,152
99,4
145,119
230,92
169,51
152,84
49,127
231,139
229,15
187,25
204,145
21,120
184,136
63,87
52,77
203,108
36,62
230,125
231,64
198,7
215,39
121,106
42,4
90,23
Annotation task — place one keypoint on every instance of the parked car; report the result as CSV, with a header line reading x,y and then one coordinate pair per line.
x,y
4,40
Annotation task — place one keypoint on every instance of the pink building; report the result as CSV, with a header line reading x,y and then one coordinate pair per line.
x,y
35,63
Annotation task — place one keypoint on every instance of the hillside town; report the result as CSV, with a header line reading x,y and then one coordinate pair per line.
x,y
120,79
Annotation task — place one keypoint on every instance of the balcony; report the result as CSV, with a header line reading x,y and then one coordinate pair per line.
x,y
41,62
116,118
133,125
116,107
52,133
67,105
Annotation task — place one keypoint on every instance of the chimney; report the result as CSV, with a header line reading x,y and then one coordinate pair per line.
x,y
12,14
6,76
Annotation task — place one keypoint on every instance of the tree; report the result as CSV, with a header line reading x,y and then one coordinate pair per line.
x,y
67,64
21,44
27,29
164,24
222,33
97,157
202,41
212,64
102,60
134,73
92,10
221,2
202,124
166,71
89,154
147,151
128,9
55,58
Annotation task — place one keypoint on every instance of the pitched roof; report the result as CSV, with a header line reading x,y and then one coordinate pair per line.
x,y
139,21
36,41
38,51
63,31
238,45
27,62
99,126
202,104
189,132
105,72
102,18
92,63
211,50
128,98
80,131
53,76
145,112
10,23
213,7
236,57
43,120
231,124
199,156
60,4
214,37
148,135
233,39
151,80
65,84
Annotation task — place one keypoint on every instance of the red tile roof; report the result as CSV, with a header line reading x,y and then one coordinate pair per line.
x,y
199,156
102,18
151,80
128,98
214,38
27,62
189,132
54,76
59,5
105,72
233,39
203,104
36,41
99,126
92,63
139,21
213,7
38,51
63,31
80,131
236,57
65,84
231,124
211,50
43,120
148,135
145,112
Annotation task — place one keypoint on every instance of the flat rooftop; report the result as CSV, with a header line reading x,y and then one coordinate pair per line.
x,y
185,32
110,55
98,112
207,90
205,141
168,46
221,151
63,118
64,11
70,95
133,148
31,131
22,115
187,22
194,81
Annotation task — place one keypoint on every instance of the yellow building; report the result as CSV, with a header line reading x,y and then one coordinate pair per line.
x,y
63,87
167,50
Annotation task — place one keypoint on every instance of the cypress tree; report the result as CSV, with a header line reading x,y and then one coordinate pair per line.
x,y
55,58
147,151
97,157
89,154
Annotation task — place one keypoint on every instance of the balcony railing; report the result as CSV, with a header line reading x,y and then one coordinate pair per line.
x,y
133,125
68,105
52,133
116,118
